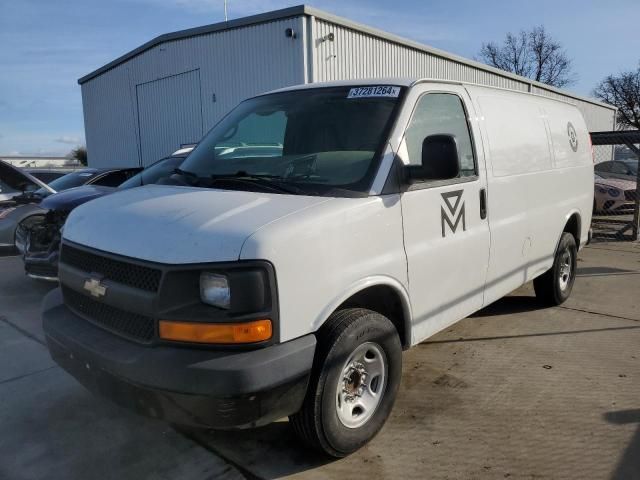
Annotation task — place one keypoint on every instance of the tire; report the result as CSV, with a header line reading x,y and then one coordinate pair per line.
x,y
353,342
554,286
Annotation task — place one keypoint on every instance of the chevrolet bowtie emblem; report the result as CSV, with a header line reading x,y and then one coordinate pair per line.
x,y
95,287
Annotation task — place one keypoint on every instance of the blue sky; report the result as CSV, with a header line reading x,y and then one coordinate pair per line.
x,y
46,45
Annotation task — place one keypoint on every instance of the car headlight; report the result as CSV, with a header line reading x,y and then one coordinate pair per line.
x,y
6,211
614,192
214,290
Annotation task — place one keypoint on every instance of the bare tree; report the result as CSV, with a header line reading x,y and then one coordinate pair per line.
x,y
622,91
533,54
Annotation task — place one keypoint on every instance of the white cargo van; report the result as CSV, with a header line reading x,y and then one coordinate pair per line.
x,y
313,234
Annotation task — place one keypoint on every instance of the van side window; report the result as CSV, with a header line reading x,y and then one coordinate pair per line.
x,y
440,113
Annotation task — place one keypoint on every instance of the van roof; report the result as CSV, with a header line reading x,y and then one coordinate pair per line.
x,y
403,82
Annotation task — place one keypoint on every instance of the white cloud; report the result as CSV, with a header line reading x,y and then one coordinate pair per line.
x,y
69,140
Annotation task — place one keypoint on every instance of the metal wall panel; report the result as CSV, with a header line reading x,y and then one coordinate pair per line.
x,y
357,54
598,118
233,64
354,54
169,114
110,126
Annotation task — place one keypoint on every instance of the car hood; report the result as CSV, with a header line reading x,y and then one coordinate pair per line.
x,y
70,199
616,183
178,225
23,199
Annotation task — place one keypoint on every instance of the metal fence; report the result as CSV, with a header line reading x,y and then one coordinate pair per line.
x,y
617,185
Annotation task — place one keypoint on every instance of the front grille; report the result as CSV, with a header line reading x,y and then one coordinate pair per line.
x,y
630,195
130,325
137,276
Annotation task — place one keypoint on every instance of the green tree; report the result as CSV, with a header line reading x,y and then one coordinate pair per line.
x,y
79,154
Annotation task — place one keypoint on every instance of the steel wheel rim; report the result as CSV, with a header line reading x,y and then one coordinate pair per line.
x,y
566,269
361,385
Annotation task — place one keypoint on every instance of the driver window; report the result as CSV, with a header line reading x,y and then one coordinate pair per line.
x,y
440,113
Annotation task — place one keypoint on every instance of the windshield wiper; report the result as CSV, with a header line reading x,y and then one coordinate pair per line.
x,y
191,178
271,182
184,173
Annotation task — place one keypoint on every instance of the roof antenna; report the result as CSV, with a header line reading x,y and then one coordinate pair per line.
x,y
225,11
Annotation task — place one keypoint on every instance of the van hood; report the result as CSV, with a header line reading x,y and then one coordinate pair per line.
x,y
71,198
179,225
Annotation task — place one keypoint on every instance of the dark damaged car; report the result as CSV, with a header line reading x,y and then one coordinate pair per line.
x,y
42,238
24,211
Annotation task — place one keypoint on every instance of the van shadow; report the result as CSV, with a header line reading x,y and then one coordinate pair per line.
x,y
268,452
629,465
510,305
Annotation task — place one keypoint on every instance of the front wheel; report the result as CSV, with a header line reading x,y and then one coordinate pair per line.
x,y
554,286
353,384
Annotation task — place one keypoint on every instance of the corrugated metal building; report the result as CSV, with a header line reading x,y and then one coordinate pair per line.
x,y
171,90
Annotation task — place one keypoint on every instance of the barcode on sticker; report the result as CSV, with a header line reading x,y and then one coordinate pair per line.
x,y
378,91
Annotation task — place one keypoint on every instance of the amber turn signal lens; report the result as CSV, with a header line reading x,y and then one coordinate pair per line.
x,y
229,333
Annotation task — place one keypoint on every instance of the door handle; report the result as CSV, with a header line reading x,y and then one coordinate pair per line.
x,y
483,203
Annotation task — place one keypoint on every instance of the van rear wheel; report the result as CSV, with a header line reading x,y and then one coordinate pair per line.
x,y
354,382
554,286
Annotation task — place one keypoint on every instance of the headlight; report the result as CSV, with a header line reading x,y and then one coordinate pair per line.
x,y
214,290
6,211
614,192
602,190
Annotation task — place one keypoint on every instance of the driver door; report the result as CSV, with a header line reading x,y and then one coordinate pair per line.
x,y
445,221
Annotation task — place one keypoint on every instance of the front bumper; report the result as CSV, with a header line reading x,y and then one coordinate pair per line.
x,y
43,266
7,232
187,386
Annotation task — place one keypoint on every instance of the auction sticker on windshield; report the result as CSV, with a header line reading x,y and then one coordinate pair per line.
x,y
378,91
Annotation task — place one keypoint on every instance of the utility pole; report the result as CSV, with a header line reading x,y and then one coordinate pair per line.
x,y
225,11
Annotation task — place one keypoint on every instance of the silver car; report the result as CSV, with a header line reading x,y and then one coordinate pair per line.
x,y
15,182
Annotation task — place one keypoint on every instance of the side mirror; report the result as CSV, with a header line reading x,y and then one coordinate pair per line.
x,y
440,159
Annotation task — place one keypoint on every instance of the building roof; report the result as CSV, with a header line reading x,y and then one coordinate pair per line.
x,y
301,10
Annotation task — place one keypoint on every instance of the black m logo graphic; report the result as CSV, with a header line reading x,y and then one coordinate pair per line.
x,y
449,217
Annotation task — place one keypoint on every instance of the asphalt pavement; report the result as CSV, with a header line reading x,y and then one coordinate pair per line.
x,y
515,391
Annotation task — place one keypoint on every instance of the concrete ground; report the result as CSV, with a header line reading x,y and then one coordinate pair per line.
x,y
515,391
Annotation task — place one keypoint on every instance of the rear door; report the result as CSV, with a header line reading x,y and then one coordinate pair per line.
x,y
446,231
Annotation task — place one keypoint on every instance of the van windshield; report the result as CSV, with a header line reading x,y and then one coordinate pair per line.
x,y
324,141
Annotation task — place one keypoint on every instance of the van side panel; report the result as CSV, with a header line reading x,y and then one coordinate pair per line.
x,y
562,191
513,149
516,134
535,182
